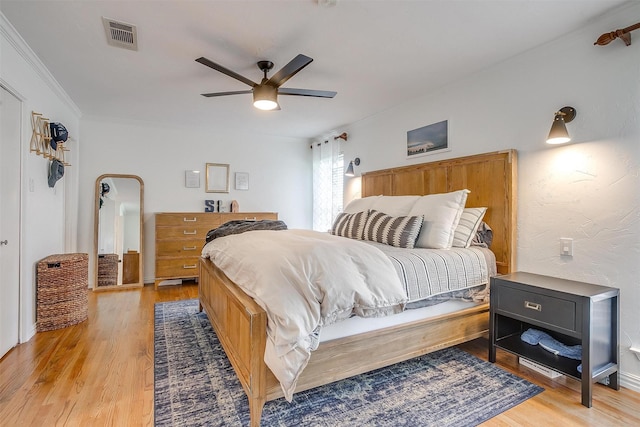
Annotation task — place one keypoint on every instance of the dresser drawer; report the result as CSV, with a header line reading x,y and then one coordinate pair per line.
x,y
537,307
179,248
251,216
183,232
177,267
188,219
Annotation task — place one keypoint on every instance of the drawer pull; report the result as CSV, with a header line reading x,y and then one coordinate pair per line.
x,y
187,267
189,248
190,232
533,305
190,220
250,219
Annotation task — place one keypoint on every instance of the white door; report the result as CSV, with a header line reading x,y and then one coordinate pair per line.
x,y
10,108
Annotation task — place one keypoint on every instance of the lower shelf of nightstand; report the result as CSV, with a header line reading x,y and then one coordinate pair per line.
x,y
564,365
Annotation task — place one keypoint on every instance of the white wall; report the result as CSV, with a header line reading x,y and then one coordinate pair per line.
x,y
589,190
279,172
48,214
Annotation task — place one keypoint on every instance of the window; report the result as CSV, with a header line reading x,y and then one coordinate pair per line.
x,y
328,183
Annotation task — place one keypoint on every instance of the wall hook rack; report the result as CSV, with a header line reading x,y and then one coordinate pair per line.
x,y
41,140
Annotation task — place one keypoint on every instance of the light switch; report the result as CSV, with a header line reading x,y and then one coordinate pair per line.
x,y
566,246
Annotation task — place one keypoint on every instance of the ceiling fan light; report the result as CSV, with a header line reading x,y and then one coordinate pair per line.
x,y
265,104
265,97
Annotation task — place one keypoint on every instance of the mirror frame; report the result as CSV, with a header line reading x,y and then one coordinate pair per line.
x,y
96,215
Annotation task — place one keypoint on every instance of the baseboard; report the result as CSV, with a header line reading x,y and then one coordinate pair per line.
x,y
630,381
27,334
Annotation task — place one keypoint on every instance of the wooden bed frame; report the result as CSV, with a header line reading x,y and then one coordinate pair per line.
x,y
240,323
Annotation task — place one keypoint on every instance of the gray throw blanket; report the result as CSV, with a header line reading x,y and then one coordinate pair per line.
x,y
241,226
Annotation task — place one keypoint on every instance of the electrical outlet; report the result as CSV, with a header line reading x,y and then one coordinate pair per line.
x,y
566,246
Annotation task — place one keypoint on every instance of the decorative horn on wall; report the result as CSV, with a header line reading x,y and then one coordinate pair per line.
x,y
624,34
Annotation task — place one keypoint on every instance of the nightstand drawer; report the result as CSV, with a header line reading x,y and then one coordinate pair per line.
x,y
537,307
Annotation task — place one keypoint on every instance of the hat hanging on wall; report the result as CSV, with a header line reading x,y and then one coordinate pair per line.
x,y
58,134
56,171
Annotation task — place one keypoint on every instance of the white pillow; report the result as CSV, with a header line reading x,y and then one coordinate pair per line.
x,y
394,205
467,227
360,205
441,214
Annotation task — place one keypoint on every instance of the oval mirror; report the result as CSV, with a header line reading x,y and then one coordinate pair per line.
x,y
118,233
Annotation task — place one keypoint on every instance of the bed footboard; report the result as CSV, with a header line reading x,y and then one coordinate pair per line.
x,y
240,325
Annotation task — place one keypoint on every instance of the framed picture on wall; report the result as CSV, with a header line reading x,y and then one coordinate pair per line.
x,y
430,139
242,181
192,179
217,178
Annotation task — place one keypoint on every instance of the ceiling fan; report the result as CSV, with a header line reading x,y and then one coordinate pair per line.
x,y
265,93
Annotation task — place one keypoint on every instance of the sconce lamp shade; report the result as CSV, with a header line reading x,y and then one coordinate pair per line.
x,y
265,97
558,133
350,171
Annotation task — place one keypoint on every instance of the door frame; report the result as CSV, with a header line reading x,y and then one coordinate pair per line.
x,y
22,333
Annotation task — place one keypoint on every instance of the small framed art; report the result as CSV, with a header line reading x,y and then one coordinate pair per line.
x,y
242,181
192,179
217,178
428,139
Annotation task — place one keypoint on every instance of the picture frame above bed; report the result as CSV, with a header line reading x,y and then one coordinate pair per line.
x,y
217,178
430,139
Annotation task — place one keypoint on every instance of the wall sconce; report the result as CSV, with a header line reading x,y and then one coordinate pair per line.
x,y
558,133
349,171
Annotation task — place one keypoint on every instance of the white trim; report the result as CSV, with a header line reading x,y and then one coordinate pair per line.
x,y
630,381
12,36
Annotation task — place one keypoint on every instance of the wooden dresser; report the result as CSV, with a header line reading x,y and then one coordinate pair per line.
x,y
180,237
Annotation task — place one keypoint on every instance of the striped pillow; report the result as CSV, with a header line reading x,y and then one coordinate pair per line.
x,y
350,225
467,227
398,231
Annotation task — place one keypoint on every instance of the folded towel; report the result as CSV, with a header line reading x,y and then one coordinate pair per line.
x,y
546,341
532,336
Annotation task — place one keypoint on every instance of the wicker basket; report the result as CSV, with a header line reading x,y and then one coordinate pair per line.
x,y
62,286
107,269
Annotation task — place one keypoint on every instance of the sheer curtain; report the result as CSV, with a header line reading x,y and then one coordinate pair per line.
x,y
328,181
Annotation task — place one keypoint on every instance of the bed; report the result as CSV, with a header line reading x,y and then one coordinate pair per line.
x,y
241,324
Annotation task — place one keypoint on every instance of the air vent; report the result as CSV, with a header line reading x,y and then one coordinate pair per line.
x,y
120,34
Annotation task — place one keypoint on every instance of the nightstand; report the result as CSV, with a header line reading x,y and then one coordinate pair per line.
x,y
571,312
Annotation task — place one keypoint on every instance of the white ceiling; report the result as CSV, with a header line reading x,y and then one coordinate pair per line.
x,y
375,54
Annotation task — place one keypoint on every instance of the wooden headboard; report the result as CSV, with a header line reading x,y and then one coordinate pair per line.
x,y
491,178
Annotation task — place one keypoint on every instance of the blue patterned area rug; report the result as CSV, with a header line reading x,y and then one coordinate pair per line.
x,y
195,385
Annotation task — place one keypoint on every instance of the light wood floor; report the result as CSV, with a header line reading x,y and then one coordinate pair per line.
x,y
100,373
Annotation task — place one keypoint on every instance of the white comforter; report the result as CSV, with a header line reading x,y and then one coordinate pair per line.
x,y
303,280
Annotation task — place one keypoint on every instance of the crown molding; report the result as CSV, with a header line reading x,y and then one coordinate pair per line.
x,y
11,35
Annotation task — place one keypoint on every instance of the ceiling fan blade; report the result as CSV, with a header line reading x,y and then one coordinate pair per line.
x,y
223,70
289,70
306,92
236,92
